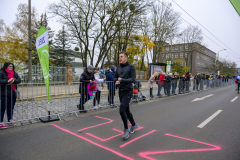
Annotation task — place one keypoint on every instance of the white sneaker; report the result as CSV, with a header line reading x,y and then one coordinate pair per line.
x,y
95,107
99,106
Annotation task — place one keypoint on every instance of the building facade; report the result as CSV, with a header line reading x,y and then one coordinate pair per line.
x,y
194,55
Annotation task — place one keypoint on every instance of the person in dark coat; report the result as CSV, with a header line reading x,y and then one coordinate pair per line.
x,y
111,85
86,77
187,81
8,80
181,85
174,83
167,85
197,79
207,79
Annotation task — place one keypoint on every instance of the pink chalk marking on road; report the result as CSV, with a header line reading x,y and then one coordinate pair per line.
x,y
137,138
109,121
94,143
107,138
145,154
121,132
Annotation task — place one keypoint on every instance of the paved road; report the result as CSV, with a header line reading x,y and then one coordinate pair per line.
x,y
172,128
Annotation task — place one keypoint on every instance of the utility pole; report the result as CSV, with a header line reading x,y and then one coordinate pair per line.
x,y
29,44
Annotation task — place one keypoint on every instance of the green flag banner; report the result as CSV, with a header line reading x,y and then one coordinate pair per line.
x,y
42,46
236,5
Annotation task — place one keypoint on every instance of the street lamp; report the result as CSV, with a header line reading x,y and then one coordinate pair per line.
x,y
220,51
218,57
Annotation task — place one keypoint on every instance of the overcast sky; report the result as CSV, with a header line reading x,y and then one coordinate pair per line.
x,y
218,16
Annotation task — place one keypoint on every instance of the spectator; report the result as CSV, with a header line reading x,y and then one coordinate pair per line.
x,y
111,85
150,83
86,77
174,83
181,85
160,83
198,80
8,80
99,81
187,81
208,79
167,85
102,76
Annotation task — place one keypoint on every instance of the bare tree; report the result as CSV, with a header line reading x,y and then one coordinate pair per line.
x,y
192,39
165,26
96,24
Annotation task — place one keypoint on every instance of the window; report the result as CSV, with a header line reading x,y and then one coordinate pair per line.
x,y
176,48
172,48
181,55
186,46
167,48
163,56
172,55
186,55
176,55
198,56
167,56
181,47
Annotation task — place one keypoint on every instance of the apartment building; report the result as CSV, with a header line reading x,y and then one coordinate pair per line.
x,y
194,55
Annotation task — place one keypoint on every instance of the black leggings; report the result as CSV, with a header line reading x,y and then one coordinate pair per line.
x,y
125,97
238,86
97,97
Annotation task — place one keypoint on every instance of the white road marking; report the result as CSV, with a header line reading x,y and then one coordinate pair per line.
x,y
234,99
199,99
209,119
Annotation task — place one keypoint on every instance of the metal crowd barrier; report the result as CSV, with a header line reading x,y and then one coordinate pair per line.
x,y
32,102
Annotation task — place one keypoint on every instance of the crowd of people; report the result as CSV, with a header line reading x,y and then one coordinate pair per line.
x,y
92,82
170,81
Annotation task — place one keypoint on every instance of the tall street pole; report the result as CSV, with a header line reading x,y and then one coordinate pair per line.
x,y
29,44
217,59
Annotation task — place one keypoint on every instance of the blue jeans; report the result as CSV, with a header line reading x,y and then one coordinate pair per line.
x,y
173,90
159,89
7,103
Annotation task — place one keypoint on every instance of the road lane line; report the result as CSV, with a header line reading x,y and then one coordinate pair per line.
x,y
209,119
234,99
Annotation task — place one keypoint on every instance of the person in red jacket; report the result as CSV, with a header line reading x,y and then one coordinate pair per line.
x,y
160,83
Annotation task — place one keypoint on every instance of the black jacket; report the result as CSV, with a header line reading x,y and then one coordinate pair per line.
x,y
85,79
6,90
187,77
128,74
174,81
167,82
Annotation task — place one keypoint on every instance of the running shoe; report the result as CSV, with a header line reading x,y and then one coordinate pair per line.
x,y
99,106
2,125
132,129
11,122
238,92
125,134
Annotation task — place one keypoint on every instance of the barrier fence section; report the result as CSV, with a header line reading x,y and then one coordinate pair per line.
x,y
29,102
